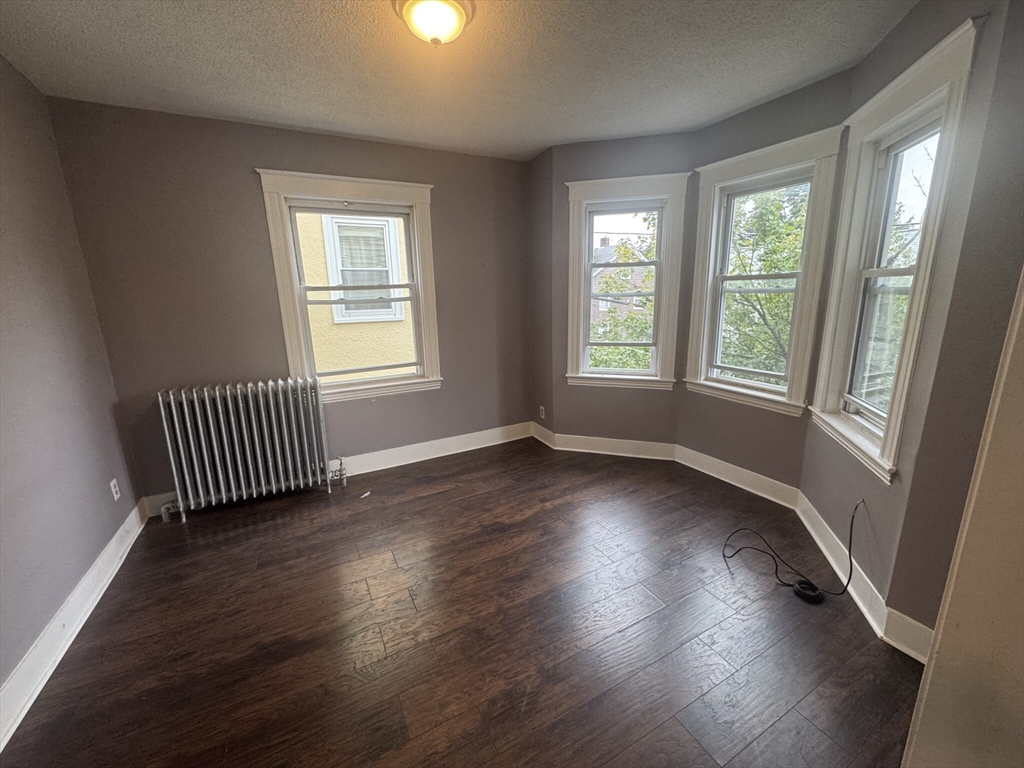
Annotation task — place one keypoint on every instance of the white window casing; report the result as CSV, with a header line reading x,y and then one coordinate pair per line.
x,y
811,159
284,193
931,92
665,193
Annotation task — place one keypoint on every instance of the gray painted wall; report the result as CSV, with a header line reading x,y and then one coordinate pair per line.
x,y
59,448
987,271
173,227
905,549
538,210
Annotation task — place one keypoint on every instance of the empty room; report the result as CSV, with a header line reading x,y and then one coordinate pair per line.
x,y
540,383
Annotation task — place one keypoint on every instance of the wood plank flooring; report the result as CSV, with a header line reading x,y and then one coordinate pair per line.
x,y
512,606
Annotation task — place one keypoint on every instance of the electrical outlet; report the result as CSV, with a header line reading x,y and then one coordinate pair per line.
x,y
114,489
542,412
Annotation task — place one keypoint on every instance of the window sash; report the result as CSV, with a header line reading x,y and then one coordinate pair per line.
x,y
888,166
350,308
725,283
589,295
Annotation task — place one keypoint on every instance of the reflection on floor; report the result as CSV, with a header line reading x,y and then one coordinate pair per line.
x,y
508,606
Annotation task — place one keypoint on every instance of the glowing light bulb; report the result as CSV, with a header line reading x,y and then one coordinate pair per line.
x,y
436,21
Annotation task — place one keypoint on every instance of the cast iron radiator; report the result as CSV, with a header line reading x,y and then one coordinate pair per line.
x,y
229,442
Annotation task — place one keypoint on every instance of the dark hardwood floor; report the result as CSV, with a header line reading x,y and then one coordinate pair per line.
x,y
512,606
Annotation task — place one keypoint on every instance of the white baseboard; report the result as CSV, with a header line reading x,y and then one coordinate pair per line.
x,y
773,490
20,689
864,594
908,635
780,493
900,631
432,449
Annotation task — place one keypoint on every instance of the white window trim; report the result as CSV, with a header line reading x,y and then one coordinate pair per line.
x,y
668,191
935,86
284,189
810,157
332,248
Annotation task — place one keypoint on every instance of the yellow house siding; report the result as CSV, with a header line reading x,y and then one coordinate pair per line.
x,y
351,344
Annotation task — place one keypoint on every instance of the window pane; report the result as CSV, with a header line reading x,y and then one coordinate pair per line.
x,y
632,359
340,346
362,246
909,182
756,320
357,250
626,319
883,317
624,236
767,230
607,280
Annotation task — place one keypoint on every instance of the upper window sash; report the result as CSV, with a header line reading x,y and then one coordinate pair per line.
x,y
929,96
288,192
663,195
809,159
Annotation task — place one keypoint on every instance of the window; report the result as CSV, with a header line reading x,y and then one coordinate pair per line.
x,y
901,145
625,250
886,279
355,281
364,250
763,220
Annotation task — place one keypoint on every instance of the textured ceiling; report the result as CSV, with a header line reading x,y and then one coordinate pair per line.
x,y
526,74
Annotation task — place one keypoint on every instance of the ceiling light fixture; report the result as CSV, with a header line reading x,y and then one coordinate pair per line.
x,y
436,21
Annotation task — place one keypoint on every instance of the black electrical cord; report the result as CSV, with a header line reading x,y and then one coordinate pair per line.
x,y
803,587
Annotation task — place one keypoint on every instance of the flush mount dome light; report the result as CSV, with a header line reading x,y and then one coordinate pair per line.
x,y
436,21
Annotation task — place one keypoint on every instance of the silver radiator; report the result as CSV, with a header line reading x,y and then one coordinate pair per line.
x,y
230,442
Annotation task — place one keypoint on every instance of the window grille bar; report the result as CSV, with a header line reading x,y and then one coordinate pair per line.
x,y
618,264
621,295
759,290
769,276
377,300
750,371
344,371
321,288
620,343
889,272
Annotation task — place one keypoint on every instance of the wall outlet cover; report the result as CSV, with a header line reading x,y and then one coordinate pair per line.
x,y
114,489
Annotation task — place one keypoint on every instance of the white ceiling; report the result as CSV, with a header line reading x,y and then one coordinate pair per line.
x,y
525,75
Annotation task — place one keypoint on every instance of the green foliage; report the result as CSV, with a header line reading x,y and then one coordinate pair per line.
x,y
766,238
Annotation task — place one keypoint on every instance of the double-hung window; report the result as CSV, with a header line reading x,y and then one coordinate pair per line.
x,y
763,221
625,251
355,282
903,181
901,145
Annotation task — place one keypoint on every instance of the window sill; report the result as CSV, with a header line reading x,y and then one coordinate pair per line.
x,y
337,392
775,403
865,449
635,382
